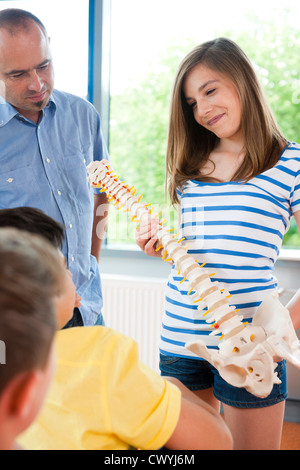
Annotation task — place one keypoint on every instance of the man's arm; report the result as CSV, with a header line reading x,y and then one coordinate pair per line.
x,y
101,208
199,426
294,304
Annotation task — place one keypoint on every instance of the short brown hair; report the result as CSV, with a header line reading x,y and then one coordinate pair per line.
x,y
33,220
30,275
13,19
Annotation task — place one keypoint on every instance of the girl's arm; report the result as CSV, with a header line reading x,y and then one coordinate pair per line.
x,y
294,308
294,304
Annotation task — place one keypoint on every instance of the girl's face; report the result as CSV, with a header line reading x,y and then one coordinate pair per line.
x,y
215,102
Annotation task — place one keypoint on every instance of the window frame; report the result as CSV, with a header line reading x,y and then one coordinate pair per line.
x,y
99,95
99,61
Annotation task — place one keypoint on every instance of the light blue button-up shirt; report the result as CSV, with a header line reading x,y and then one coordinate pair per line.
x,y
44,166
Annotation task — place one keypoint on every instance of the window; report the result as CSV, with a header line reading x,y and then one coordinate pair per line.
x,y
148,41
67,27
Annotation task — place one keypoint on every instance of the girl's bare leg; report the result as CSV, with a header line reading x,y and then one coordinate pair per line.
x,y
252,429
255,429
208,396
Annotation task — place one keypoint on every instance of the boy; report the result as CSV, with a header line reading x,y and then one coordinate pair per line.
x,y
30,275
37,222
56,134
103,397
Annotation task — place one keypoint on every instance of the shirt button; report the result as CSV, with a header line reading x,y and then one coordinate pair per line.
x,y
59,192
48,160
70,225
72,259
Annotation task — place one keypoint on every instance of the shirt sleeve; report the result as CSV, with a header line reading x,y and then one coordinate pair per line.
x,y
144,408
179,193
295,194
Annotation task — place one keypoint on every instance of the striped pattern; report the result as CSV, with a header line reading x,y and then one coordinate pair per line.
x,y
237,230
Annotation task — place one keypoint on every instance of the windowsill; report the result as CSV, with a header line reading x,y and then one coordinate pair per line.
x,y
130,261
134,252
287,254
122,250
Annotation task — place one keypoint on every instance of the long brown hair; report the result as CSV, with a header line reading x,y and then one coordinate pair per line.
x,y
189,144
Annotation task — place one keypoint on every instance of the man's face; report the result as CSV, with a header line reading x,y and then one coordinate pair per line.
x,y
26,71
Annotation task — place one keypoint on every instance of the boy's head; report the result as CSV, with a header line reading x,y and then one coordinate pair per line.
x,y
31,271
37,222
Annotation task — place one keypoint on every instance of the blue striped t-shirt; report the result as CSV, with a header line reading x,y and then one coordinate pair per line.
x,y
237,230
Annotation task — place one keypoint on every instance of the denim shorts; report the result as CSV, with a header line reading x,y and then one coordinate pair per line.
x,y
198,374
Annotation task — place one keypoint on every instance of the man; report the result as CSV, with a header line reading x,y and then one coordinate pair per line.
x,y
47,138
31,275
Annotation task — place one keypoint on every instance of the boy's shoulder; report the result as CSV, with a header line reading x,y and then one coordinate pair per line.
x,y
97,343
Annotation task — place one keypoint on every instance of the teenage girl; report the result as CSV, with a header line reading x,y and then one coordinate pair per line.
x,y
236,181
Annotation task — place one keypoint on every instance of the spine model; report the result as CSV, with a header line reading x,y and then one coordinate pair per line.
x,y
220,313
244,358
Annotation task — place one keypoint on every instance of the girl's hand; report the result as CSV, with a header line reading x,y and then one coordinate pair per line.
x,y
146,239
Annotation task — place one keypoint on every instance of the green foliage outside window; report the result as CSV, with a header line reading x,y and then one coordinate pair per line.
x,y
139,116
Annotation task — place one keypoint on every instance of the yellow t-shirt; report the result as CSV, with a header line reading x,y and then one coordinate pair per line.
x,y
103,397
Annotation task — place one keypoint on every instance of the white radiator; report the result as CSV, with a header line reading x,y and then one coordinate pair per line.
x,y
134,306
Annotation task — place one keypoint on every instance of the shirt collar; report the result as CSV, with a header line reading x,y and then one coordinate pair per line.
x,y
8,112
52,104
